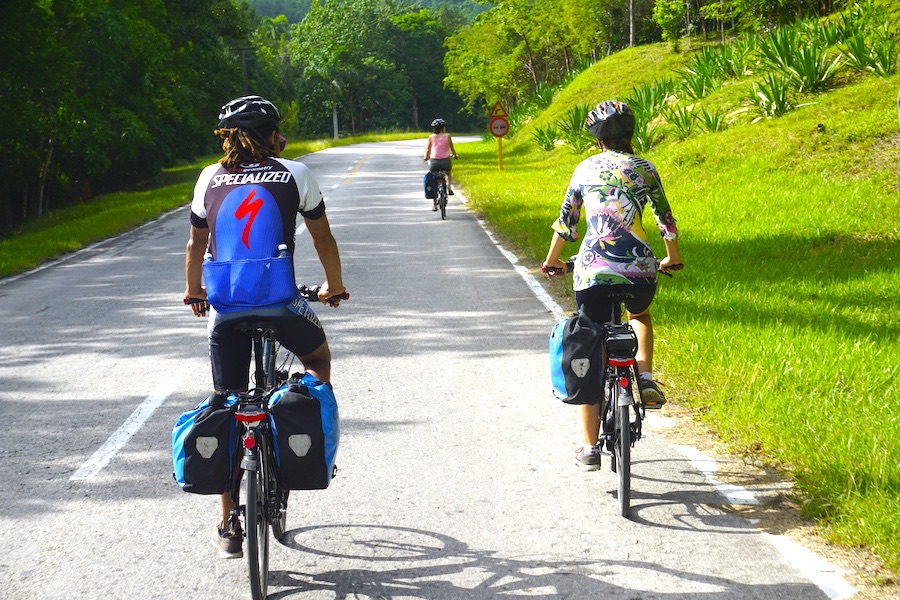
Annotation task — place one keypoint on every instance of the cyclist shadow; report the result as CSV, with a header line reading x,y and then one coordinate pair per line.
x,y
382,561
703,507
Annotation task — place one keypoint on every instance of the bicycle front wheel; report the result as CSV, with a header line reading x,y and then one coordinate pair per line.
x,y
623,452
257,528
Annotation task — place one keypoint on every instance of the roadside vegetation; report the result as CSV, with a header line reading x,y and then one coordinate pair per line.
x,y
782,332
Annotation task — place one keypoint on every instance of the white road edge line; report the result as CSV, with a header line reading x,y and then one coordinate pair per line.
x,y
826,576
535,286
132,424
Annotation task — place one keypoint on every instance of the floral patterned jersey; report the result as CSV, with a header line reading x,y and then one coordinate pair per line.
x,y
612,188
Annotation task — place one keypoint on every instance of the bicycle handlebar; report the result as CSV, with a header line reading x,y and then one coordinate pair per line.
x,y
570,265
306,292
312,293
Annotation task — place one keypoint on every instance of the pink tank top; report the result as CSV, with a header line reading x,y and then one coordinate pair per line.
x,y
440,145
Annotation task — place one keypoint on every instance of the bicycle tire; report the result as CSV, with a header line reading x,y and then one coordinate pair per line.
x,y
279,522
607,421
623,454
442,199
257,531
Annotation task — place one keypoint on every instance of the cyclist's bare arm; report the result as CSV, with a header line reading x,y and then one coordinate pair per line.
x,y
672,261
193,271
327,251
553,265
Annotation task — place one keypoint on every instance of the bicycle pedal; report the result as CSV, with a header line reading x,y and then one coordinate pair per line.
x,y
653,405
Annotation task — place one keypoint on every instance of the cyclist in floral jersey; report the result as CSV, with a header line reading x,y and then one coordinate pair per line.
x,y
612,189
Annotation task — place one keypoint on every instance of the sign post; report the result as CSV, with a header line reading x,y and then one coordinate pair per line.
x,y
499,127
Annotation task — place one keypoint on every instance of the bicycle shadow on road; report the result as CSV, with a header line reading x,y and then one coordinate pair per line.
x,y
378,561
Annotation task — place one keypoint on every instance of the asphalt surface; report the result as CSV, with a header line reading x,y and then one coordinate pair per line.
x,y
455,478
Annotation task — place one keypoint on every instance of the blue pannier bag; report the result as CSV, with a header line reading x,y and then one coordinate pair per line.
x,y
247,284
575,359
304,419
204,442
430,185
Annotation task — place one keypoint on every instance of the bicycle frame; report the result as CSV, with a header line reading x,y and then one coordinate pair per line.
x,y
619,382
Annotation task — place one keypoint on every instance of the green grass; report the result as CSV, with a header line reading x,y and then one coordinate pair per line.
x,y
782,331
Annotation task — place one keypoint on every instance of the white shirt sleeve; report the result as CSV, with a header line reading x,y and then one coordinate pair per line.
x,y
310,193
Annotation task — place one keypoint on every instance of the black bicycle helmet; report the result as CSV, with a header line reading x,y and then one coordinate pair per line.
x,y
249,112
438,122
610,119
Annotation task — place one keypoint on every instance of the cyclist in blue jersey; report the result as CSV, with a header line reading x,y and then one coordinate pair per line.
x,y
612,188
243,208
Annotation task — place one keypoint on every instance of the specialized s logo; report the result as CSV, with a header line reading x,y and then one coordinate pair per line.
x,y
249,224
248,208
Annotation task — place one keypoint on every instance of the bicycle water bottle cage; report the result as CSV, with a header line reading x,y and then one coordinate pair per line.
x,y
620,341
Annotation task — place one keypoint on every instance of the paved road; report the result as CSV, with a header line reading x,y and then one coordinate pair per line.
x,y
456,477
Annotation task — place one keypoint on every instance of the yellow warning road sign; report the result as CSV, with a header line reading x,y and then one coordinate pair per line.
x,y
499,111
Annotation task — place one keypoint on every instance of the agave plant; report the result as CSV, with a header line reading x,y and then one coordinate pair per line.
x,y
856,52
545,137
682,120
812,68
884,56
572,130
711,122
647,100
700,78
770,97
646,135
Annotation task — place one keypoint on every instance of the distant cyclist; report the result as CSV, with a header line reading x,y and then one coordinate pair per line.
x,y
439,152
243,207
612,188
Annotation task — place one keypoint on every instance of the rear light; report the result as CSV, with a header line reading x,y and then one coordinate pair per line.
x,y
249,442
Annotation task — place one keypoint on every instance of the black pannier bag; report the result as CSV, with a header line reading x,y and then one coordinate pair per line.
x,y
204,442
430,185
304,418
575,359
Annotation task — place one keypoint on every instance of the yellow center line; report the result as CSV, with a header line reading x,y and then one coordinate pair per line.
x,y
355,169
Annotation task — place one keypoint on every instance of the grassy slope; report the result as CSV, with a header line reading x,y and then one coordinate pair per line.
x,y
783,329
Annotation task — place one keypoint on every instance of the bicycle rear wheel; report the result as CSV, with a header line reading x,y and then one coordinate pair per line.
x,y
442,198
257,530
623,450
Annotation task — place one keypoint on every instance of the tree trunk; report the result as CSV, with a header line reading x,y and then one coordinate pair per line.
x,y
631,23
334,118
42,181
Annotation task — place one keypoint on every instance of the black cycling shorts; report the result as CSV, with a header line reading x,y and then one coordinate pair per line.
x,y
598,300
439,164
230,351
